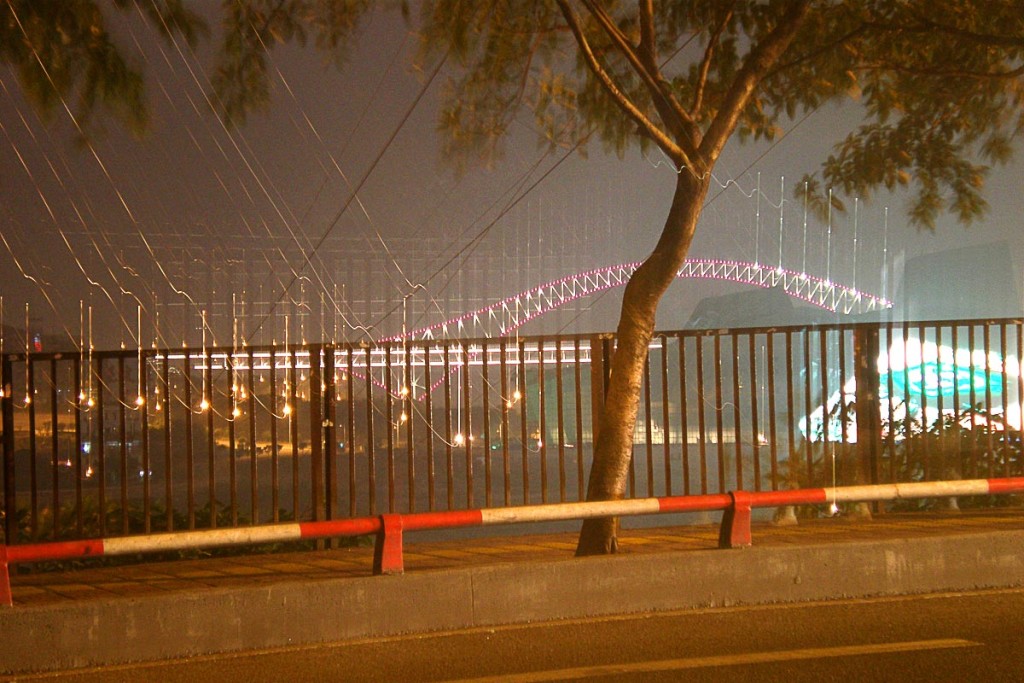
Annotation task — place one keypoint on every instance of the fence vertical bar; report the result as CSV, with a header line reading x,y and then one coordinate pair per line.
x,y
100,445
486,390
958,440
684,424
755,439
1005,446
329,432
429,410
523,427
54,450
542,442
990,441
122,428
30,403
923,395
448,437
666,418
389,417
211,474
275,472
773,448
407,411
254,490
7,410
559,404
578,379
719,407
506,406
973,399
293,425
468,434
165,406
350,441
190,463
76,364
147,474
648,431
736,416
232,384
371,443
808,451
701,420
316,434
890,402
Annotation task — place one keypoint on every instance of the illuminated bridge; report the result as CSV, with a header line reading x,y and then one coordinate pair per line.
x,y
506,316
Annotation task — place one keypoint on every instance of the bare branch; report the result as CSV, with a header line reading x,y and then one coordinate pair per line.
x,y
705,64
671,149
671,112
757,64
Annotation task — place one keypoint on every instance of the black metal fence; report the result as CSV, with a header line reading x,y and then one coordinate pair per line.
x,y
113,443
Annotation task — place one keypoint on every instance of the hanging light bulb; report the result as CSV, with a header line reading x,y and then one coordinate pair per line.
x,y
287,410
459,439
404,417
237,412
517,395
89,402
139,400
204,404
404,391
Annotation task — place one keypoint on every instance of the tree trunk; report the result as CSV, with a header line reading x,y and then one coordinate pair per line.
x,y
614,448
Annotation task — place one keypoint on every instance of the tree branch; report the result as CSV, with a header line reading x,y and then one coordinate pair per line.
x,y
760,59
671,112
670,147
705,64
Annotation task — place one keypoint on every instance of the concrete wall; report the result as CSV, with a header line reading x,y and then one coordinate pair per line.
x,y
224,620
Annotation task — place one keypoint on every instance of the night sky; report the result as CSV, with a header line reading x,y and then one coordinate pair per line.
x,y
151,216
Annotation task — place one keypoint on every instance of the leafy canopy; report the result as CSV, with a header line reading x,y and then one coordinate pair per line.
x,y
939,81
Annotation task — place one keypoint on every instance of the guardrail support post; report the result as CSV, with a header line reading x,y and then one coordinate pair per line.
x,y
735,529
387,550
7,410
5,579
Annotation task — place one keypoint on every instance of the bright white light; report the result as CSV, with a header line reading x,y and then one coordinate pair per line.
x,y
516,395
237,412
459,439
204,404
139,401
287,410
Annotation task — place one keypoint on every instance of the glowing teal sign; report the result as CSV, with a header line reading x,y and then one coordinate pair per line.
x,y
931,381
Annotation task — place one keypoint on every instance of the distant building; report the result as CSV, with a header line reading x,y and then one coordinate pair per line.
x,y
958,284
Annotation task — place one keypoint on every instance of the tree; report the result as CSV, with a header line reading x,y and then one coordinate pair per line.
x,y
939,82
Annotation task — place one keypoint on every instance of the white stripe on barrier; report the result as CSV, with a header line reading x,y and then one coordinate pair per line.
x,y
921,489
201,539
563,511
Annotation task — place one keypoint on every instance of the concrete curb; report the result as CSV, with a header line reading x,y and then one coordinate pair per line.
x,y
95,633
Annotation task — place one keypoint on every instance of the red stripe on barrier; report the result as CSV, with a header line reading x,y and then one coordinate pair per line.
x,y
441,520
767,499
62,550
715,501
1008,485
360,526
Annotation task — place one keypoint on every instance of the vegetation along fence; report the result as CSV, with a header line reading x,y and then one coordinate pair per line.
x,y
103,444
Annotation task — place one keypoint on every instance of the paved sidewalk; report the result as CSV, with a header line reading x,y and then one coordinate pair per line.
x,y
32,587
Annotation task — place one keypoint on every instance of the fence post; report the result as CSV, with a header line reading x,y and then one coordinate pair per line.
x,y
316,431
330,443
387,550
869,426
735,529
600,369
7,408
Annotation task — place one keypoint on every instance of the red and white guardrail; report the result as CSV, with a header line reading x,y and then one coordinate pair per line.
x,y
389,528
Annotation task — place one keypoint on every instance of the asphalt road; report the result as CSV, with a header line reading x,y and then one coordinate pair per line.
x,y
947,637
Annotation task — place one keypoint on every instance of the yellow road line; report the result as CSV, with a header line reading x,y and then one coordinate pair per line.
x,y
722,660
